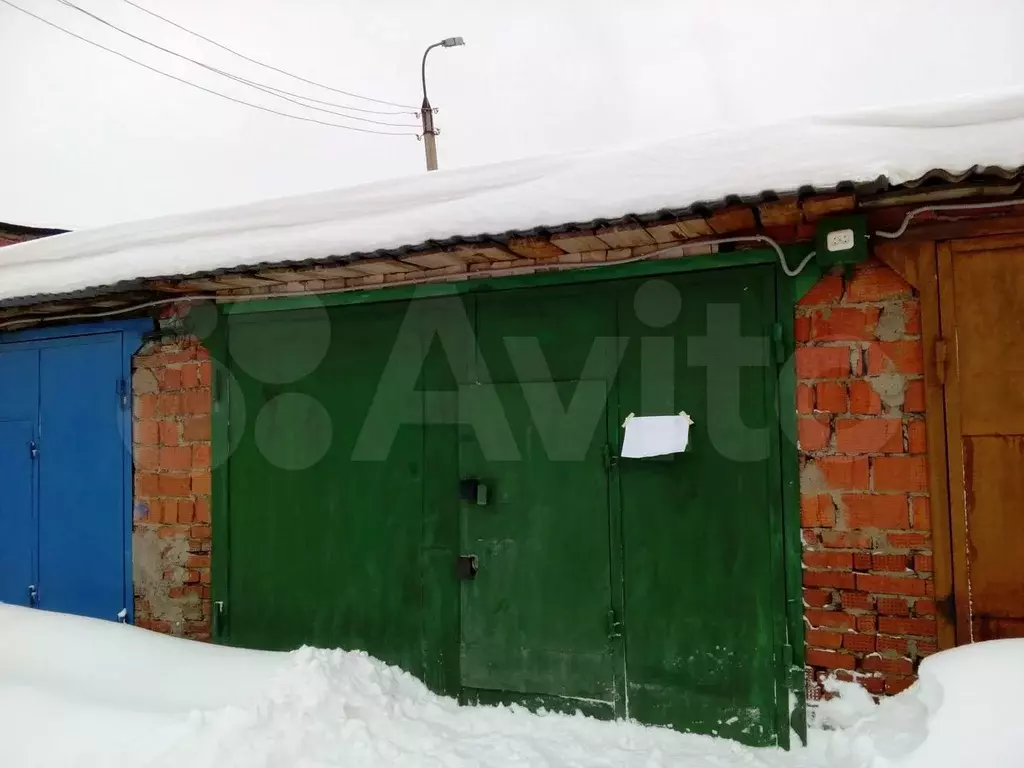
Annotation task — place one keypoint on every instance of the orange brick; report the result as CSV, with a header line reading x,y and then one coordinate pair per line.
x,y
817,598
145,407
895,666
836,560
926,647
817,511
900,473
895,356
844,324
892,644
177,458
166,511
802,329
202,511
894,685
923,563
917,439
924,606
859,643
813,433
197,429
168,405
844,473
822,638
831,619
920,513
174,485
909,540
822,362
869,435
190,376
864,510
186,511
863,398
913,397
827,290
902,625
147,484
893,585
147,457
830,396
198,561
201,483
893,563
872,283
197,401
857,601
147,432
170,379
170,433
846,539
830,659
892,606
865,622
833,579
201,456
199,531
862,561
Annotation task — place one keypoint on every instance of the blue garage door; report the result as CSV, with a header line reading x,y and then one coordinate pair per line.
x,y
64,536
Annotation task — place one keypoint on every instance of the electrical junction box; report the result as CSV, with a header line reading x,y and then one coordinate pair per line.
x,y
841,240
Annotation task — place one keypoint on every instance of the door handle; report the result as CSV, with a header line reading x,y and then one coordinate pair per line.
x,y
33,596
474,491
466,567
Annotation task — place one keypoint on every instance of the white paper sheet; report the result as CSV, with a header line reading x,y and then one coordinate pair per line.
x,y
655,435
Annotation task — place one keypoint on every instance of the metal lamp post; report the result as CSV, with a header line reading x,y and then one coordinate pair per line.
x,y
427,112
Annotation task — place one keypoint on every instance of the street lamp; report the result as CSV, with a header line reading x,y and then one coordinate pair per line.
x,y
427,112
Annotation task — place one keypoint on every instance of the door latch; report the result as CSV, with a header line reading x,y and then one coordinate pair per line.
x,y
474,491
33,449
466,567
33,596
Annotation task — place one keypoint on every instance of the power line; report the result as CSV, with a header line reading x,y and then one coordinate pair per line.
x,y
271,90
262,64
200,87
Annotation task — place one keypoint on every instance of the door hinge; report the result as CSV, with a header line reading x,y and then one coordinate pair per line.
x,y
122,392
33,449
787,655
941,355
611,461
947,608
779,346
217,619
614,625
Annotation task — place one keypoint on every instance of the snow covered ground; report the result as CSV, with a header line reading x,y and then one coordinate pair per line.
x,y
79,692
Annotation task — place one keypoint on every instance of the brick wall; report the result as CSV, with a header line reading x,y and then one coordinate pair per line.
x,y
171,540
868,591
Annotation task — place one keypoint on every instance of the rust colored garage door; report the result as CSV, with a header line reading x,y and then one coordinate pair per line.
x,y
982,316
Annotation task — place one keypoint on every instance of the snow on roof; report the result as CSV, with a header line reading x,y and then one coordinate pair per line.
x,y
899,144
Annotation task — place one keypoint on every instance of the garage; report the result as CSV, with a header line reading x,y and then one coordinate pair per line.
x,y
65,469
437,481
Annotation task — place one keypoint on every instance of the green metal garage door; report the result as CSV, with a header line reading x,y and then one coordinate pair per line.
x,y
437,483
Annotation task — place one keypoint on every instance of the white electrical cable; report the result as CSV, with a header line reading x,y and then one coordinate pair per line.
x,y
946,207
426,279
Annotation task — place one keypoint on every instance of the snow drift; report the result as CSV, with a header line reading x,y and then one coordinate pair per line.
x,y
79,692
900,144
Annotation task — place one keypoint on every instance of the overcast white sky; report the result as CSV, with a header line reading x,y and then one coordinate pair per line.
x,y
88,139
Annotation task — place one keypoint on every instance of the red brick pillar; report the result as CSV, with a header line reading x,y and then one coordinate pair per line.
x,y
868,589
171,540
